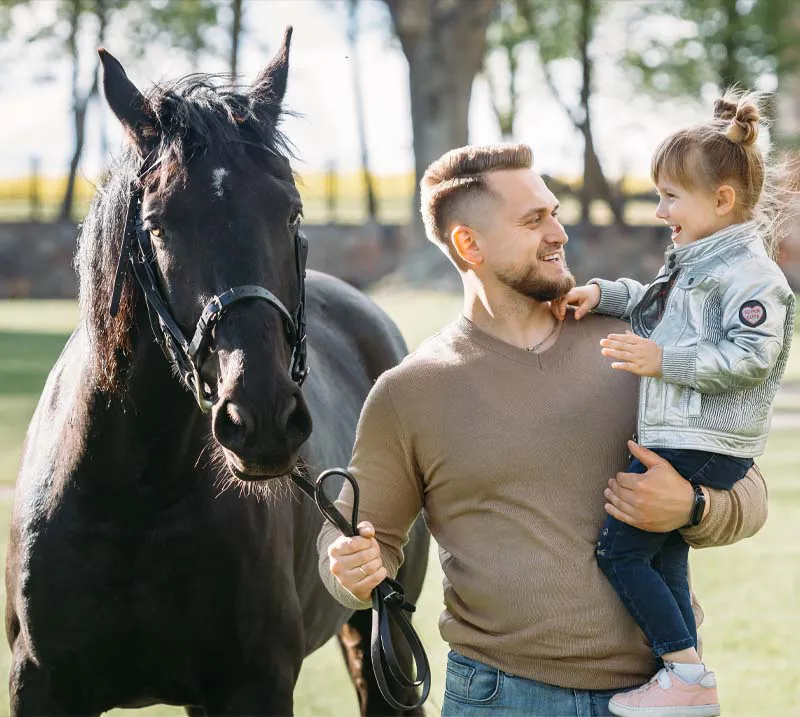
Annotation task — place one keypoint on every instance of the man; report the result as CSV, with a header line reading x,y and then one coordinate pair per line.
x,y
504,429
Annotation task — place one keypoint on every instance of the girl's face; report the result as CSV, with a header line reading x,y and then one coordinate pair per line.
x,y
692,214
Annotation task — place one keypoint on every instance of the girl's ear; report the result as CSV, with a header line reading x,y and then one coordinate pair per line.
x,y
726,200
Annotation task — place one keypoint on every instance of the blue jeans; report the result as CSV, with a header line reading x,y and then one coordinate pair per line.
x,y
649,571
473,688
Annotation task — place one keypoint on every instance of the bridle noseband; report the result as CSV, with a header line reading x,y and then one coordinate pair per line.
x,y
388,599
136,252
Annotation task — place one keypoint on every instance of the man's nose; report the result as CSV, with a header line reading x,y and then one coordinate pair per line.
x,y
557,233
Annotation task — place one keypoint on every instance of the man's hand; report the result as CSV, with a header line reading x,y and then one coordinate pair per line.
x,y
356,562
583,298
633,353
657,501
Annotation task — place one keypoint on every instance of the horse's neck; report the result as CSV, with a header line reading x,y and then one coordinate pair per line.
x,y
151,433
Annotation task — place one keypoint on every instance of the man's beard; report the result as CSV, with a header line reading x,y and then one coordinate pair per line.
x,y
530,283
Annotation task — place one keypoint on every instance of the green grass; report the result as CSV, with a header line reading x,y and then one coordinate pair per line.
x,y
749,591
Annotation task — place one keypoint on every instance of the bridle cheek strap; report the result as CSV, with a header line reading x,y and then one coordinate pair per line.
x,y
189,356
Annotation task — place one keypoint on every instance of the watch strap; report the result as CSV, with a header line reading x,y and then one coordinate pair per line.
x,y
698,507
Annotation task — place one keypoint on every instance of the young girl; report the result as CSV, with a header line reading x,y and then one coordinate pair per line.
x,y
710,339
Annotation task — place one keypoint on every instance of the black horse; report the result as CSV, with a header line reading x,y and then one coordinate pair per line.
x,y
151,560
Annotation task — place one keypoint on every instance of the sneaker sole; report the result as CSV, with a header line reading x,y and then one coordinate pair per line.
x,y
697,711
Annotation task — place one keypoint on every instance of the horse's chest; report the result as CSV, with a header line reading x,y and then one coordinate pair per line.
x,y
103,589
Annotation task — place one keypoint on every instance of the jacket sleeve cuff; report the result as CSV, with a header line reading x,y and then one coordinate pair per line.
x,y
678,365
614,297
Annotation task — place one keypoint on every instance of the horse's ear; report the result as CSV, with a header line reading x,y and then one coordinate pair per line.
x,y
270,85
127,103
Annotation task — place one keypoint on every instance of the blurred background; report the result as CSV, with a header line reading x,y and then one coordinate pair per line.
x,y
378,89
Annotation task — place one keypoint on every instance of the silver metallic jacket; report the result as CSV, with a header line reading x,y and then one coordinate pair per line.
x,y
725,327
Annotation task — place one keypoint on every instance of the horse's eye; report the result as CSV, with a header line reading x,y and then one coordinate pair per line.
x,y
156,231
295,217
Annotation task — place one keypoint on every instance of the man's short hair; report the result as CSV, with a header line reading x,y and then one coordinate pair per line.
x,y
454,189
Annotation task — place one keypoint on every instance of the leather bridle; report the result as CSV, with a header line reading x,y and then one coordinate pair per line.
x,y
188,355
388,599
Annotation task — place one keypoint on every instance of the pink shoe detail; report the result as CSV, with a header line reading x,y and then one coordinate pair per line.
x,y
667,695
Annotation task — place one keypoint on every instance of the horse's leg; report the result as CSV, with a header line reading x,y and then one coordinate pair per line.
x,y
354,639
354,650
195,711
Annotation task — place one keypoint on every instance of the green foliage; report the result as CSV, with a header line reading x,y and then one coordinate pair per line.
x,y
548,26
183,24
6,7
550,29
676,47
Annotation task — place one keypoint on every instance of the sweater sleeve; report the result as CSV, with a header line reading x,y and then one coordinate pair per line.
x,y
390,488
733,514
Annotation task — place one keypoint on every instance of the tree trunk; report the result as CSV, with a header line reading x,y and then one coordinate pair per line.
x,y
80,105
78,111
787,120
444,42
595,183
355,65
236,32
505,117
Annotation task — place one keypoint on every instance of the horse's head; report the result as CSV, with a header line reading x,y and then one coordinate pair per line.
x,y
218,210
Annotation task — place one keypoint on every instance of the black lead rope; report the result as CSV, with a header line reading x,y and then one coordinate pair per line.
x,y
388,605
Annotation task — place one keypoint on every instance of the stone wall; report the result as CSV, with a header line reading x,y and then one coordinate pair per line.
x,y
36,259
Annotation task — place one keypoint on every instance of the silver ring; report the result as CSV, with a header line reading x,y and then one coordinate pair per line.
x,y
363,572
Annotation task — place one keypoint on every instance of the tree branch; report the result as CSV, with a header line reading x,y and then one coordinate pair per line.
x,y
551,85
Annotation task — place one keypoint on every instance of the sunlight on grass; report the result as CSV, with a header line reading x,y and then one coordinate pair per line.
x,y
749,591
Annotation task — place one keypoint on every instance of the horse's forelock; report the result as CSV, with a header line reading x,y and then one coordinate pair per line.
x,y
196,113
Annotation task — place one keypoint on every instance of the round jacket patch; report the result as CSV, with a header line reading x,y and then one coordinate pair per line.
x,y
752,313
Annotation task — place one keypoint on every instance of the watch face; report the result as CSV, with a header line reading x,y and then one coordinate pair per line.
x,y
699,505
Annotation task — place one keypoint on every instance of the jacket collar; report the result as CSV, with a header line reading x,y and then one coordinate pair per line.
x,y
718,243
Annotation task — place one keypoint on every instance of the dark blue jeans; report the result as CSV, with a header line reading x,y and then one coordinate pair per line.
x,y
649,571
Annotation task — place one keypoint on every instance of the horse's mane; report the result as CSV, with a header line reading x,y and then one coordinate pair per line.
x,y
192,115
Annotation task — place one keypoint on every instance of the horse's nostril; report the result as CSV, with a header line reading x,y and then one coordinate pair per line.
x,y
238,415
289,409
297,418
232,425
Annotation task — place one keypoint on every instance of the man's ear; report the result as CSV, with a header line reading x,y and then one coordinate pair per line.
x,y
726,200
465,245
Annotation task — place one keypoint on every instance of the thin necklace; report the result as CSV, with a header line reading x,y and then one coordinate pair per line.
x,y
538,345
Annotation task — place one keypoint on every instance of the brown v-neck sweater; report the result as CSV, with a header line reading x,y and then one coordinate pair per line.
x,y
506,453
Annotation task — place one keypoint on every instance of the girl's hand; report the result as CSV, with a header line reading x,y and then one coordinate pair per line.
x,y
583,298
633,353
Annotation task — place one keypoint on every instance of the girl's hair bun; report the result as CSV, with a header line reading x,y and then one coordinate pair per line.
x,y
742,116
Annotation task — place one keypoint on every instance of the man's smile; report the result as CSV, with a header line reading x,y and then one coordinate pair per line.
x,y
555,257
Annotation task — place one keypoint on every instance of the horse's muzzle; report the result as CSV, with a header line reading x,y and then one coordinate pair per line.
x,y
259,445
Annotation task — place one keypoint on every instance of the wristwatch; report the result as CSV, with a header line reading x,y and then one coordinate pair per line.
x,y
698,507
